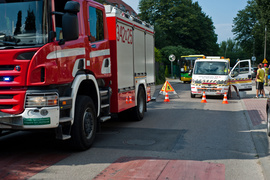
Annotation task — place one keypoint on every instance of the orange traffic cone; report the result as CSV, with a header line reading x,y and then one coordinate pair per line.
x,y
225,101
148,97
127,99
130,99
166,98
204,98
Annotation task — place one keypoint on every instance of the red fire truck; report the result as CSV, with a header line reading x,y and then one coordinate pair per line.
x,y
70,65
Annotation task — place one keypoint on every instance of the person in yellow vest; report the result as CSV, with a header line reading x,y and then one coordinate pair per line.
x,y
259,81
266,74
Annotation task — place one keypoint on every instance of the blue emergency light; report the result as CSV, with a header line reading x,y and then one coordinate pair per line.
x,y
7,79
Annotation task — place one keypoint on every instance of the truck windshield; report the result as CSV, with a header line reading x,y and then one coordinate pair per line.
x,y
23,23
211,68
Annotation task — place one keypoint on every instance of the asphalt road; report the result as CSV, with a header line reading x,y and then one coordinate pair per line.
x,y
182,139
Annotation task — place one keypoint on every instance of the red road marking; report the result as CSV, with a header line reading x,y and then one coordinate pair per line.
x,y
127,168
182,169
26,165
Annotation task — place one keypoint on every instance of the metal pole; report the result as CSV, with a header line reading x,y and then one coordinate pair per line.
x,y
265,42
253,62
172,68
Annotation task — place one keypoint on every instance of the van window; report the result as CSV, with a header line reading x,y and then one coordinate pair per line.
x,y
96,24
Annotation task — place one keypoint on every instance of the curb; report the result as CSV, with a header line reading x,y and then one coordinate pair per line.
x,y
263,158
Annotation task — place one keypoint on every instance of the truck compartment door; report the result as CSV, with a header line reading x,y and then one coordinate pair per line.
x,y
240,75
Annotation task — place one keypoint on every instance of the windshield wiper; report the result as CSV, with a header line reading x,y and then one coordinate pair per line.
x,y
7,42
10,40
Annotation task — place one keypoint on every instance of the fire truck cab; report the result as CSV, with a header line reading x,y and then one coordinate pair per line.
x,y
70,65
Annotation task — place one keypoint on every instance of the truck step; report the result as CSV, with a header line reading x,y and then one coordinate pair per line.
x,y
60,135
105,118
65,119
65,98
65,137
103,92
104,106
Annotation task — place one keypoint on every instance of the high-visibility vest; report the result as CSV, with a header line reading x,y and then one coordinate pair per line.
x,y
266,71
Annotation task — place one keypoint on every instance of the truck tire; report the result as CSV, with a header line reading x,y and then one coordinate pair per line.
x,y
192,95
138,111
84,128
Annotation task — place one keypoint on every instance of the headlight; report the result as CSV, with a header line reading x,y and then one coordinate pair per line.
x,y
41,100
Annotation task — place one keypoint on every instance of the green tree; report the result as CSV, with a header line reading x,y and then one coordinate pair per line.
x,y
231,49
18,24
160,77
244,24
248,29
180,22
264,12
178,51
264,8
30,22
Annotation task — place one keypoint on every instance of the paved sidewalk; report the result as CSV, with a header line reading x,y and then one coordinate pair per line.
x,y
256,107
257,119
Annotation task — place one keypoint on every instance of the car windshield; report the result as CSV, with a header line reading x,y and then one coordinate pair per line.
x,y
23,23
211,68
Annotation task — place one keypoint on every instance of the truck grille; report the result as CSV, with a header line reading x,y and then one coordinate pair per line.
x,y
7,68
8,96
6,107
12,101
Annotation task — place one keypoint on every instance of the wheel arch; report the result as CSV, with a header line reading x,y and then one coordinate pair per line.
x,y
85,84
140,83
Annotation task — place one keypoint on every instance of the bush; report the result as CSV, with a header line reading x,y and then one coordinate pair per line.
x,y
160,78
166,72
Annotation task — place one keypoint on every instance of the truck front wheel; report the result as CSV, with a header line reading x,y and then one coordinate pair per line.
x,y
85,123
138,111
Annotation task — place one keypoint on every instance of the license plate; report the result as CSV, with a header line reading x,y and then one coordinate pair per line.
x,y
36,121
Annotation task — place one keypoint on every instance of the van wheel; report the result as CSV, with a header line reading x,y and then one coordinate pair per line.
x,y
84,129
138,111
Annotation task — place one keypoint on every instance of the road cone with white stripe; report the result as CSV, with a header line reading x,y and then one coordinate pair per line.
x,y
148,97
127,99
130,99
225,100
166,98
204,98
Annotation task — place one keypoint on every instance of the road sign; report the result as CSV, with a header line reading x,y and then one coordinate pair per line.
x,y
167,87
172,57
253,58
265,61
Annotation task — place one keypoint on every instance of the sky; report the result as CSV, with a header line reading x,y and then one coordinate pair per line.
x,y
222,13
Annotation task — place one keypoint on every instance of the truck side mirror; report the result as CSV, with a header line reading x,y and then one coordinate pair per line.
x,y
70,25
234,74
